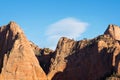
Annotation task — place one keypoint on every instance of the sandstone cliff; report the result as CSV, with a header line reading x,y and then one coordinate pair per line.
x,y
113,31
17,58
93,59
44,56
88,59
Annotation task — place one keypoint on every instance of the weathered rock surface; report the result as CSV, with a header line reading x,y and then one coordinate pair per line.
x,y
93,59
17,58
44,56
35,48
113,31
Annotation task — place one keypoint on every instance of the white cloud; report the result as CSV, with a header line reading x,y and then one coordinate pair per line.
x,y
68,27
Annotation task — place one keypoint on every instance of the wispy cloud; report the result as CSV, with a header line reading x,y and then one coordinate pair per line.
x,y
68,27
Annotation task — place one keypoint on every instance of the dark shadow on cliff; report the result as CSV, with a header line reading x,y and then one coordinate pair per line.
x,y
45,61
6,43
86,64
117,62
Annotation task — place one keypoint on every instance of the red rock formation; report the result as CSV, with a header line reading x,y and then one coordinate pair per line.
x,y
113,31
87,59
44,56
17,58
93,59
63,50
35,48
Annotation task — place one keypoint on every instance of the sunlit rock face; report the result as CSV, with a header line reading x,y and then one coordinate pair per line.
x,y
113,31
88,59
93,59
17,58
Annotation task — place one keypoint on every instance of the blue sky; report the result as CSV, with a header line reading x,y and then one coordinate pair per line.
x,y
45,21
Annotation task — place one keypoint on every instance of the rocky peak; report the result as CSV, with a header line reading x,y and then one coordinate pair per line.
x,y
113,31
8,35
83,57
17,58
63,49
62,41
13,27
88,59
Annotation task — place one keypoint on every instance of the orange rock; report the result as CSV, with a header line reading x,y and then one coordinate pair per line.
x,y
113,31
85,60
93,59
19,62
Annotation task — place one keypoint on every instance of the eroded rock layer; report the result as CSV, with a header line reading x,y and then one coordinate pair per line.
x,y
93,59
88,59
17,58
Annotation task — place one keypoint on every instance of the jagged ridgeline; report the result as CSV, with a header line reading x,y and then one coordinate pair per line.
x,y
88,59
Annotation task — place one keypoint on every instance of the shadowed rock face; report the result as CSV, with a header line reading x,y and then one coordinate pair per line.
x,y
44,56
17,58
93,59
